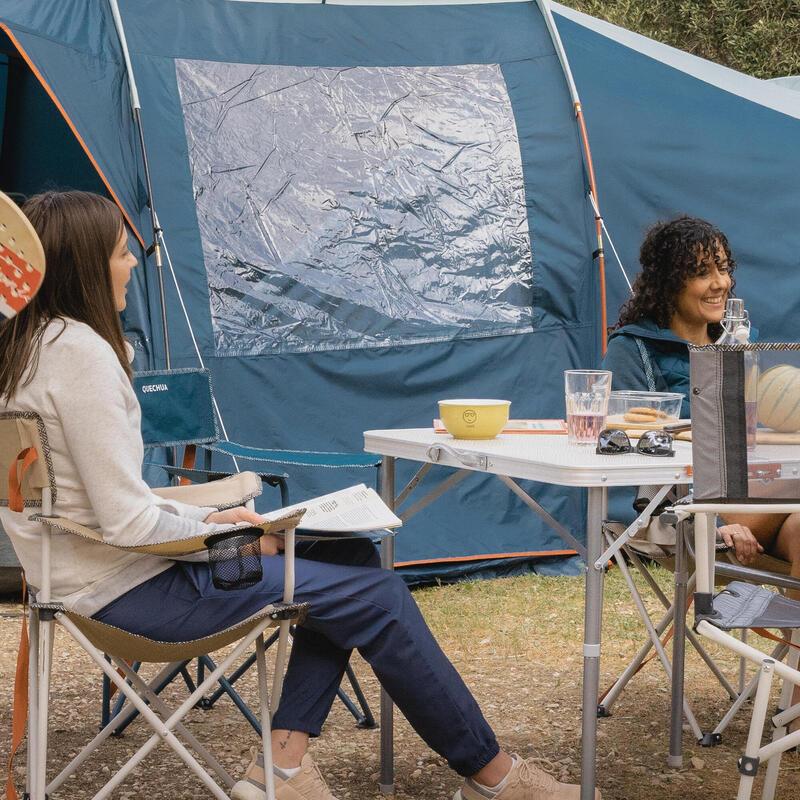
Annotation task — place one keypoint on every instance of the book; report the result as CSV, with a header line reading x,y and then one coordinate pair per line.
x,y
521,426
357,508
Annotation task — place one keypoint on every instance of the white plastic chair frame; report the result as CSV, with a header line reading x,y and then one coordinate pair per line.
x,y
21,430
755,753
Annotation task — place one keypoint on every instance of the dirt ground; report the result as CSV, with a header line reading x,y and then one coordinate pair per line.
x,y
525,670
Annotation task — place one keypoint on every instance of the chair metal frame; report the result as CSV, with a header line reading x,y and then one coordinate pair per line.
x,y
24,432
738,695
768,665
206,436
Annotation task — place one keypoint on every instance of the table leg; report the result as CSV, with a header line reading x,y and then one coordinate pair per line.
x,y
387,707
593,617
675,757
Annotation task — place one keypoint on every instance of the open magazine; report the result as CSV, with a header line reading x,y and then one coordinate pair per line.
x,y
354,509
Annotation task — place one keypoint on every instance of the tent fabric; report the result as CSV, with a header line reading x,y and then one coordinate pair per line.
x,y
380,354
788,82
672,133
77,57
669,133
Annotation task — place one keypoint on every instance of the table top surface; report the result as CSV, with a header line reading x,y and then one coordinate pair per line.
x,y
539,457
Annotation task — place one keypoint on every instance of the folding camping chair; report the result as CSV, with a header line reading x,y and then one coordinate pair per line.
x,y
25,457
655,541
730,479
179,410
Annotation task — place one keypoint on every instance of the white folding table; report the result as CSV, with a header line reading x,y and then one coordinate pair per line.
x,y
546,459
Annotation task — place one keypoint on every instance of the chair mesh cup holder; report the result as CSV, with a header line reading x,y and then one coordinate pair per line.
x,y
235,558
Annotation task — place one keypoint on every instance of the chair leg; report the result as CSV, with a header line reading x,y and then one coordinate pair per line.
x,y
748,764
787,690
33,701
280,663
163,728
266,716
45,659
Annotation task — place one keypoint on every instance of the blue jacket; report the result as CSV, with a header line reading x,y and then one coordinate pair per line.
x,y
667,354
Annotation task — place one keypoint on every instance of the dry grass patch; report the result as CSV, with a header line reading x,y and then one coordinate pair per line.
x,y
517,643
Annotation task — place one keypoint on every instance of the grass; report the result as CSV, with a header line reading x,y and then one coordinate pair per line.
x,y
517,644
759,38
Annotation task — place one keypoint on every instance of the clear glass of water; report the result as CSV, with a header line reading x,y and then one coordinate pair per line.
x,y
586,394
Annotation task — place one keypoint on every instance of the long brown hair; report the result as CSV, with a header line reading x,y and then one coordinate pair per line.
x,y
79,231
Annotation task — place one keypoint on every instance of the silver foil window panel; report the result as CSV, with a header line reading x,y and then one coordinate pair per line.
x,y
356,207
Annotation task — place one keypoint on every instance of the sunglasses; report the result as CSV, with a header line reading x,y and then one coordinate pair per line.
x,y
614,442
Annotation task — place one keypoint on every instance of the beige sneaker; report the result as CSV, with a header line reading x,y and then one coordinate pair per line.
x,y
525,782
308,784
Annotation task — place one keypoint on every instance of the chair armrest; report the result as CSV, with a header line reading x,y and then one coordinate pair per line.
x,y
169,548
235,490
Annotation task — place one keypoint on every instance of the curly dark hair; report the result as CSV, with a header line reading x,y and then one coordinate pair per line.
x,y
669,257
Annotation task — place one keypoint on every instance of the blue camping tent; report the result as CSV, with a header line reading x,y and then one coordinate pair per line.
x,y
672,133
370,207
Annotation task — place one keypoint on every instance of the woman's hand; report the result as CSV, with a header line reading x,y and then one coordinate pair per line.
x,y
741,539
270,544
230,516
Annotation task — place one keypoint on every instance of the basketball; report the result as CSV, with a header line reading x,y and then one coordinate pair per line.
x,y
779,398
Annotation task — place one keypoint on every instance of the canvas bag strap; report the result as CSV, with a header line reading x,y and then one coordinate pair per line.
x,y
20,713
648,364
15,475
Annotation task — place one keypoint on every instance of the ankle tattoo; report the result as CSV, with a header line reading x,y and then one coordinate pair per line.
x,y
285,741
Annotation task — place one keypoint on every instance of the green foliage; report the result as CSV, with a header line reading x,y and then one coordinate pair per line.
x,y
759,37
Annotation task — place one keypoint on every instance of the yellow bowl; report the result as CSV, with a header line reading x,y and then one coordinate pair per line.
x,y
474,419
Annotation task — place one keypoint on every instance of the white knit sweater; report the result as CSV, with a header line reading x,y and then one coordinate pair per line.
x,y
93,426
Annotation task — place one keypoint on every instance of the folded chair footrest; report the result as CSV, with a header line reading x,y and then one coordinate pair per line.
x,y
743,605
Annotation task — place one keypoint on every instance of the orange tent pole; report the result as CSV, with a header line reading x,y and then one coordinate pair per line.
x,y
598,223
547,14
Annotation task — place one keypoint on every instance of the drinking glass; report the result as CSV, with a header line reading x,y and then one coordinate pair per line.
x,y
586,393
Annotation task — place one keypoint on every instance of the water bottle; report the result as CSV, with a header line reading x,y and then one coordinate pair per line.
x,y
736,330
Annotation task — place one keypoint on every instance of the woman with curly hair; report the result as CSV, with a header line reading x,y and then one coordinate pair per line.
x,y
677,299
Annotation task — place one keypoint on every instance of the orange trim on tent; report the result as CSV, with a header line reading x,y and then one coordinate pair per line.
x,y
74,130
487,555
601,261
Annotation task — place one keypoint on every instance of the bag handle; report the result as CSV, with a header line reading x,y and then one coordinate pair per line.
x,y
15,476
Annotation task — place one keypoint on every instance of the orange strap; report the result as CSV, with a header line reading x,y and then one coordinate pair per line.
x,y
20,712
767,635
15,475
188,462
112,687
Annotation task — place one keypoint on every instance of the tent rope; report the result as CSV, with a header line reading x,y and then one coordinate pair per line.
x,y
194,340
610,241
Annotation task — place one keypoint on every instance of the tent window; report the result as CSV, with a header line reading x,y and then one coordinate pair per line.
x,y
359,207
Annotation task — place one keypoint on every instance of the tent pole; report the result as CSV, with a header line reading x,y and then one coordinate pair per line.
x,y
155,248
547,14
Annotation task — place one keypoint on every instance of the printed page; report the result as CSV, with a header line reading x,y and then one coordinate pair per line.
x,y
356,508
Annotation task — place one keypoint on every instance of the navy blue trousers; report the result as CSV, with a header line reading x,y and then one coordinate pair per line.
x,y
353,604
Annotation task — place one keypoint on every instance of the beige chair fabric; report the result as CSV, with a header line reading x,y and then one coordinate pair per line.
x,y
131,647
169,548
19,430
234,490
